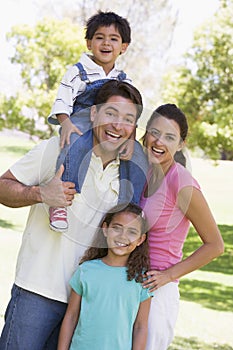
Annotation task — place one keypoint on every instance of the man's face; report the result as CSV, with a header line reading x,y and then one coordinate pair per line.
x,y
113,123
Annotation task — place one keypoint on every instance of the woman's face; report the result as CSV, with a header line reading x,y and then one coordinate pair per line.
x,y
162,141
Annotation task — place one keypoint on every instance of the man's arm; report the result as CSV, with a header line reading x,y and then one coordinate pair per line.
x,y
15,194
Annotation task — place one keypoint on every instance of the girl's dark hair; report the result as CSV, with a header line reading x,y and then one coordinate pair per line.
x,y
119,88
106,19
170,111
138,262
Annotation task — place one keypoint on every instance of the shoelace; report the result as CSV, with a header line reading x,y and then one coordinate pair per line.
x,y
59,213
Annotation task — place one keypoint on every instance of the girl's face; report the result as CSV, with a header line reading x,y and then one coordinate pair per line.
x,y
162,141
123,233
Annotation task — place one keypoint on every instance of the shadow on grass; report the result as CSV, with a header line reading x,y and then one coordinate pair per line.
x,y
6,224
224,263
209,294
192,343
15,150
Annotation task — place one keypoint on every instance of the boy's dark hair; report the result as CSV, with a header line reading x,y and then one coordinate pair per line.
x,y
106,19
119,88
138,262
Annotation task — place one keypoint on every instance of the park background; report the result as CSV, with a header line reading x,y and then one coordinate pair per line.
x,y
206,314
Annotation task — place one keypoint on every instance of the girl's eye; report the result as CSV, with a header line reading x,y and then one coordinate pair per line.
x,y
132,233
117,228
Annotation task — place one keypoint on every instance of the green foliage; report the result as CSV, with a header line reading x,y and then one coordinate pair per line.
x,y
43,53
203,86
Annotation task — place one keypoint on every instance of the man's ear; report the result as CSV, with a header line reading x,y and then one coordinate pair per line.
x,y
141,239
93,113
124,47
88,44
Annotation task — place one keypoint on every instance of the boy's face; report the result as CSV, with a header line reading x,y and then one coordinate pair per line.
x,y
106,45
113,124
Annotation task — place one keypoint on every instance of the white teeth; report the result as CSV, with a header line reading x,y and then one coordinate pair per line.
x,y
160,151
119,244
112,134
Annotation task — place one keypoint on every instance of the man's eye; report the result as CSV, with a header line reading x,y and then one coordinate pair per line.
x,y
129,121
170,138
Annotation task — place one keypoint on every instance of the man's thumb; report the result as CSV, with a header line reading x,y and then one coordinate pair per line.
x,y
60,171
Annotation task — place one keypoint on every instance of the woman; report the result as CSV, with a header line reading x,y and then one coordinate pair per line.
x,y
171,201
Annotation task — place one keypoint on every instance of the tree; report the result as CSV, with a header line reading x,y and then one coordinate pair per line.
x,y
43,53
203,86
152,23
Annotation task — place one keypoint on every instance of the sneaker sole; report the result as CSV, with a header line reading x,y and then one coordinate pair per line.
x,y
61,230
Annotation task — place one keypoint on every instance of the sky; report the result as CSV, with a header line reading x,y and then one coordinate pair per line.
x,y
191,14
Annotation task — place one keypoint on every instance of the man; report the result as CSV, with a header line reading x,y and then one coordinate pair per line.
x,y
47,259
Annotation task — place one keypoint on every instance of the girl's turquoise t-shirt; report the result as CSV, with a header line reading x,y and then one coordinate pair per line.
x,y
109,307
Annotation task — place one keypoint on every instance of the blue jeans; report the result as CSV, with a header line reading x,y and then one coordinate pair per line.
x,y
32,322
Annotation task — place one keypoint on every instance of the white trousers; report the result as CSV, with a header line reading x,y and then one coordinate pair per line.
x,y
162,317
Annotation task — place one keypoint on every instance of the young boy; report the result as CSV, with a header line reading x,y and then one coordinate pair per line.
x,y
107,36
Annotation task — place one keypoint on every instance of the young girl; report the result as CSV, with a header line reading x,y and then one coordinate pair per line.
x,y
108,307
172,200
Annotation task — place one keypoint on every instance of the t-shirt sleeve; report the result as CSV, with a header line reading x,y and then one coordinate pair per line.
x,y
180,177
146,294
75,281
38,165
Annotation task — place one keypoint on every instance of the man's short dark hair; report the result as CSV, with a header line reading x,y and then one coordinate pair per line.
x,y
119,88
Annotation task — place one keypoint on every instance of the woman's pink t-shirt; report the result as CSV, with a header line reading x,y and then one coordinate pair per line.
x,y
168,227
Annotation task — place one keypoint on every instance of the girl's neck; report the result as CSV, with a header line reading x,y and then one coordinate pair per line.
x,y
117,261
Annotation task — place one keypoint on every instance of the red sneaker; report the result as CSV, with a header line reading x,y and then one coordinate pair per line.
x,y
58,219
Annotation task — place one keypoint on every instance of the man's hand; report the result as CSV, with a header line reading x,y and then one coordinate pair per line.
x,y
57,193
126,150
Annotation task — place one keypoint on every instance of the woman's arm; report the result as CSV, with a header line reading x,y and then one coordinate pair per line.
x,y
140,328
69,322
199,214
194,206
15,194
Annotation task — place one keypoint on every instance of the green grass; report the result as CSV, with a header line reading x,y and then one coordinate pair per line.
x,y
206,315
195,344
